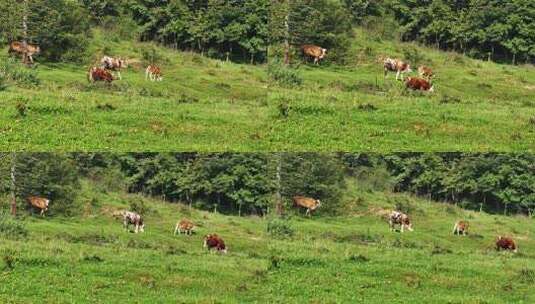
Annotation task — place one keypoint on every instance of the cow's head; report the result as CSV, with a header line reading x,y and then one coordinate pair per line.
x,y
318,203
432,89
47,201
408,69
323,53
37,49
123,63
407,223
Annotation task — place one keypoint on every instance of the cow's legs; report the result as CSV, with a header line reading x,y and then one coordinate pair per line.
x,y
176,230
402,228
398,74
308,212
42,212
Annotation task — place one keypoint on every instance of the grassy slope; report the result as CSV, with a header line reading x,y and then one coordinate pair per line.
x,y
329,260
230,112
236,110
494,109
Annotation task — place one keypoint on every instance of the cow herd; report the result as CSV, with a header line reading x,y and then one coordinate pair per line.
x,y
421,83
110,65
214,241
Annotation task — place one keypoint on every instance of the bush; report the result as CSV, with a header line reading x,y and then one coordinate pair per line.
x,y
11,228
284,76
140,207
13,70
280,228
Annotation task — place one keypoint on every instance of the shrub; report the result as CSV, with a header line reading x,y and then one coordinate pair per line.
x,y
284,76
413,55
11,228
284,108
280,228
140,207
15,71
21,108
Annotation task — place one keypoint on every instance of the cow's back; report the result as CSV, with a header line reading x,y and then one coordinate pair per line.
x,y
38,202
311,50
302,201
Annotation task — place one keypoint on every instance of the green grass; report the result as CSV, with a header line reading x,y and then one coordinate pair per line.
x,y
477,106
211,105
345,259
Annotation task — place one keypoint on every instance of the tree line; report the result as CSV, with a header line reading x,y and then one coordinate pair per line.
x,y
225,29
260,183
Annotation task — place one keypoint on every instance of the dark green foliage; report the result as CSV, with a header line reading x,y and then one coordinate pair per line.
x,y
283,75
360,9
21,108
226,29
481,28
280,228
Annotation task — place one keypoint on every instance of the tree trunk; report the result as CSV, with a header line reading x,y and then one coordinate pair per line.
x,y
287,37
278,195
13,185
25,32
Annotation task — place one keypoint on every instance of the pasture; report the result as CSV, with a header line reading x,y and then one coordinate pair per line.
x,y
211,105
476,106
349,258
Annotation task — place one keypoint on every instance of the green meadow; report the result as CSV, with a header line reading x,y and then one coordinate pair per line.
x,y
211,105
353,258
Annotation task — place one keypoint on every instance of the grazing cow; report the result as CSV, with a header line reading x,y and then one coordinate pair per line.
x,y
132,218
27,52
40,203
461,227
185,226
396,65
506,243
154,73
399,218
99,74
213,241
425,72
314,51
419,84
306,202
113,64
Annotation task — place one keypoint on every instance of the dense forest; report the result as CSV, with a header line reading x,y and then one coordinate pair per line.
x,y
225,29
485,29
254,183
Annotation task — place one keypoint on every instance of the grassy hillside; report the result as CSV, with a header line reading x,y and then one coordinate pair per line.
x,y
477,106
211,105
328,259
202,104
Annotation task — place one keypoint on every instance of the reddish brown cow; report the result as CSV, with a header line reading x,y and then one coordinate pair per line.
x,y
461,227
39,203
401,219
314,51
306,202
99,74
213,241
506,243
154,73
419,84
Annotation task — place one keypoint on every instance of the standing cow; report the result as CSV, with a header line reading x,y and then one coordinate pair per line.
x,y
461,228
113,64
213,241
506,243
27,51
313,51
308,203
184,226
396,65
39,203
132,218
399,218
425,72
154,73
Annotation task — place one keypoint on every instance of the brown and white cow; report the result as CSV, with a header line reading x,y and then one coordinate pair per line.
x,y
396,65
132,218
184,226
399,218
40,203
425,72
461,228
213,241
313,51
310,204
506,243
113,64
419,84
99,74
154,73
27,52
